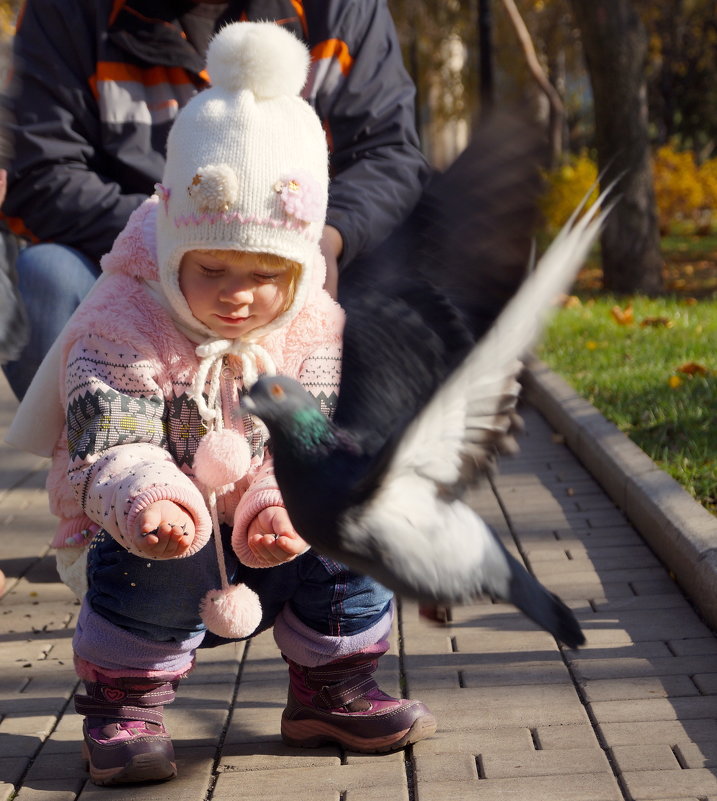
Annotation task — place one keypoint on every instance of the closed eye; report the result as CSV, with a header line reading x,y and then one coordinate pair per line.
x,y
210,272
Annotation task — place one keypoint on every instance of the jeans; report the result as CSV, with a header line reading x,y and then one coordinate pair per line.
x,y
52,280
158,600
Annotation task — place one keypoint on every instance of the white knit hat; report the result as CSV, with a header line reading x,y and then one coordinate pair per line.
x,y
247,163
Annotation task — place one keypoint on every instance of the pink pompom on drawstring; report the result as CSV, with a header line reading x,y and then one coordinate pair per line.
x,y
232,613
223,457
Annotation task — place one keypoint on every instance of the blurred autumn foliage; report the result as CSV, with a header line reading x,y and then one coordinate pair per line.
x,y
686,192
565,187
8,14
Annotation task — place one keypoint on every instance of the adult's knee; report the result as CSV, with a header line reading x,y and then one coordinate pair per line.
x,y
56,269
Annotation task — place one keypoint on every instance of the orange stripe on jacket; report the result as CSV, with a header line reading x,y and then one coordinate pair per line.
x,y
334,48
301,14
116,8
18,227
119,72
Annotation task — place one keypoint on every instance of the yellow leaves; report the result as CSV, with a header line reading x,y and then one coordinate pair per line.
x,y
688,369
570,302
566,186
8,12
678,190
684,189
624,316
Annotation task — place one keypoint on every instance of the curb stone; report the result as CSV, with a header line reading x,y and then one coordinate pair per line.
x,y
681,531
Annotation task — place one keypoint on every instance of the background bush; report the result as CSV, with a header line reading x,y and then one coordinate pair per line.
x,y
685,191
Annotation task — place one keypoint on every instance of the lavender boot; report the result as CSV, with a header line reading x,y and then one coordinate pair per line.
x,y
342,703
124,737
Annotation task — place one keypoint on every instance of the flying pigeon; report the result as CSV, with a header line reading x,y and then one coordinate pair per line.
x,y
431,358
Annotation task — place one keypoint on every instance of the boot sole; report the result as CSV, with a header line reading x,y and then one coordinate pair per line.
x,y
141,768
314,733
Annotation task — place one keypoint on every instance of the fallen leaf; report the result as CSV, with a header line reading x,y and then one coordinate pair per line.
x,y
693,368
674,381
591,345
571,302
623,316
656,322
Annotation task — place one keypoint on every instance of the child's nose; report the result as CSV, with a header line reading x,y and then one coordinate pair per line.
x,y
237,292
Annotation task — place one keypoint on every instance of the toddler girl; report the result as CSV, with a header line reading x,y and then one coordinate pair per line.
x,y
214,281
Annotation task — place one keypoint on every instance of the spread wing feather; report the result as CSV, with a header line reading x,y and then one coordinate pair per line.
x,y
417,305
456,433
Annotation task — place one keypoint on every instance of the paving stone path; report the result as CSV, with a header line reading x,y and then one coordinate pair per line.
x,y
632,715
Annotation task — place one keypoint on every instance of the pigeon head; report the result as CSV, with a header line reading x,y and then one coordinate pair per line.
x,y
291,414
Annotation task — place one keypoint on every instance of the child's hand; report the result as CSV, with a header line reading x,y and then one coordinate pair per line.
x,y
163,530
272,539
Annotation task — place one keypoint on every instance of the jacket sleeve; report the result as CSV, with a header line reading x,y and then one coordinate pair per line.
x,y
320,374
378,170
119,463
60,188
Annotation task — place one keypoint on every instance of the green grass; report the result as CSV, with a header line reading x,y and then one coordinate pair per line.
x,y
631,373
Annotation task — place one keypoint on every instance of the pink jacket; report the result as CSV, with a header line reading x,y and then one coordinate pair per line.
x,y
133,431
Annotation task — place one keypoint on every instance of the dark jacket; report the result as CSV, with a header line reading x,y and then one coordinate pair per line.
x,y
98,83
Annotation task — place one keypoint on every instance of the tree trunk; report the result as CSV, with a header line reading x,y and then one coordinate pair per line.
x,y
615,44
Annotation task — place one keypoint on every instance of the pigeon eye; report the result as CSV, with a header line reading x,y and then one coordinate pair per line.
x,y
277,391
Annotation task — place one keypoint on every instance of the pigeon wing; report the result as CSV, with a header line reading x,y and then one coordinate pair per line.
x,y
394,358
413,532
416,306
456,433
471,233
435,549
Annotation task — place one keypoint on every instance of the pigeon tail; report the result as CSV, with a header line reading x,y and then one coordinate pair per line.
x,y
542,606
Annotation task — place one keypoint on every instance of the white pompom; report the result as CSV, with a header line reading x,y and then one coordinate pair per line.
x,y
231,613
260,56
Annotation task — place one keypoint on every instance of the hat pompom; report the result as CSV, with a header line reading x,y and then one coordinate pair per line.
x,y
260,56
222,458
231,613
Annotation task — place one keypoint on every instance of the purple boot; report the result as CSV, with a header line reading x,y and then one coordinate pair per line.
x,y
342,703
124,738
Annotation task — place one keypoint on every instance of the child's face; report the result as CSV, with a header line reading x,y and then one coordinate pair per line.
x,y
233,295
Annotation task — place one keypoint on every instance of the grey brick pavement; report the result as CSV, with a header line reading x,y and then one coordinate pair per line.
x,y
632,715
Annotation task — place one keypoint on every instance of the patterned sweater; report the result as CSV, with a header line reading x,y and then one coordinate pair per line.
x,y
132,431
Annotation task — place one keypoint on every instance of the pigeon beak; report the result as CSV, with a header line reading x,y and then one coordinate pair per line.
x,y
248,404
